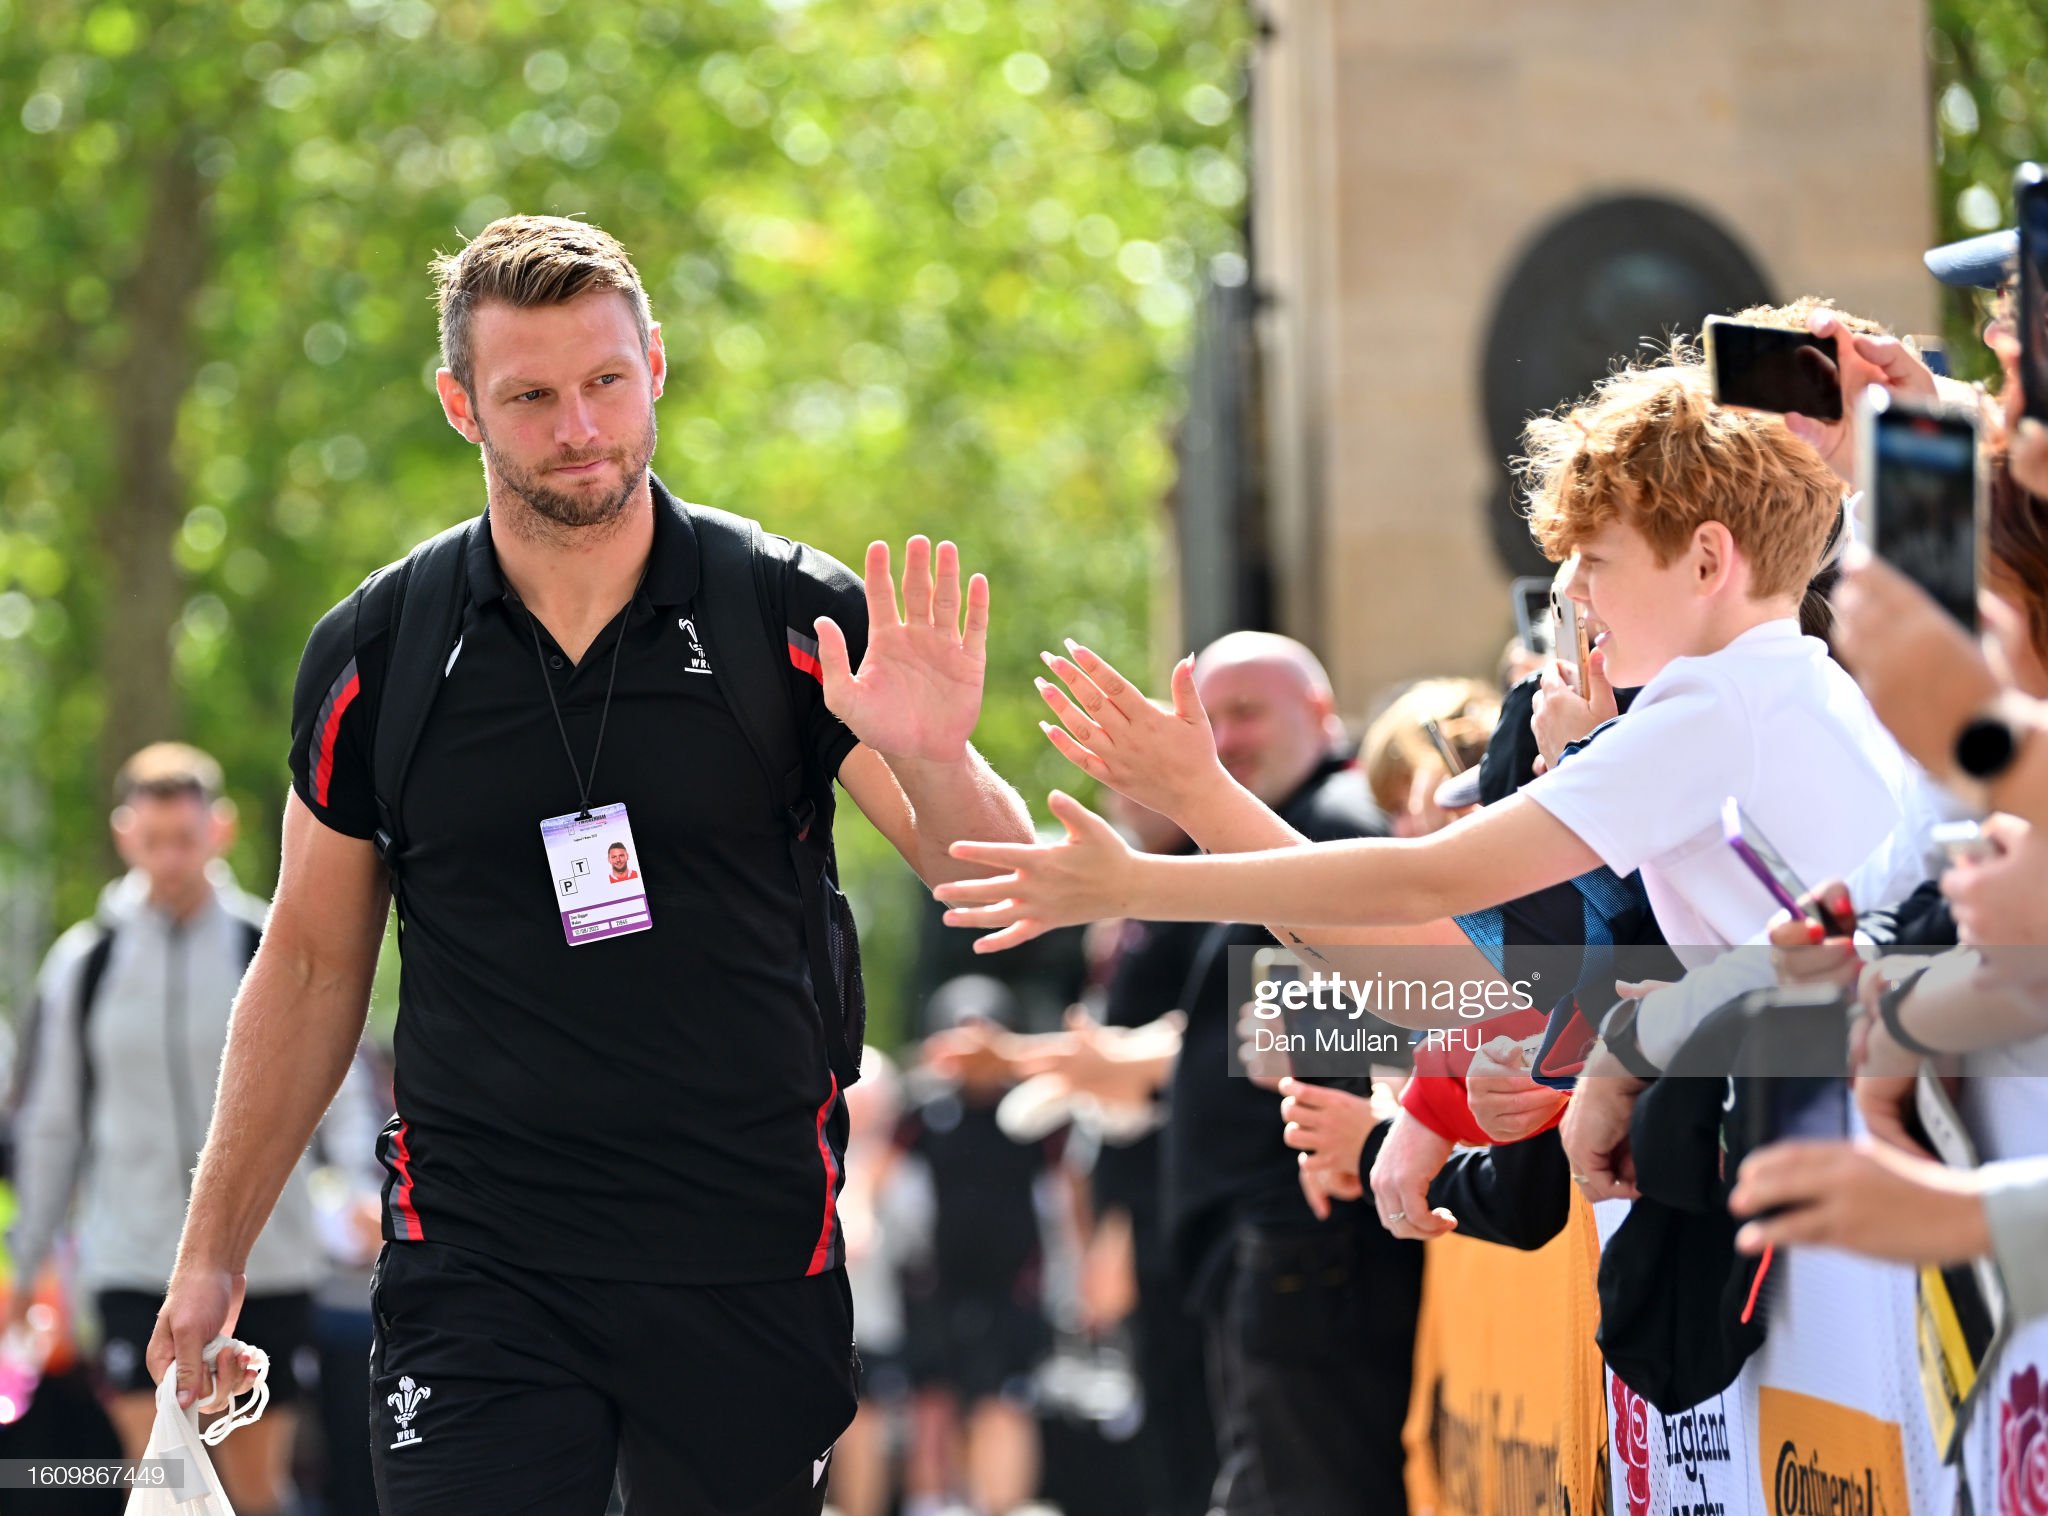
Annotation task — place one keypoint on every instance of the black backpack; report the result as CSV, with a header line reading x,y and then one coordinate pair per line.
x,y
745,637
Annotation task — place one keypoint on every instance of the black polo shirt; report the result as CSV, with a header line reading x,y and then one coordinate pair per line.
x,y
656,1106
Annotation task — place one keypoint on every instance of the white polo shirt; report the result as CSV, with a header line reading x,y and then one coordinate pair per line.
x,y
1775,722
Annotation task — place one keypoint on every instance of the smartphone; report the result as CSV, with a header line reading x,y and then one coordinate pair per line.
x,y
1533,621
1962,842
1453,764
1761,859
1922,495
1572,645
2030,206
1792,1069
1768,368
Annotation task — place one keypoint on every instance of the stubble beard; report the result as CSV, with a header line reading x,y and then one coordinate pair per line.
x,y
551,512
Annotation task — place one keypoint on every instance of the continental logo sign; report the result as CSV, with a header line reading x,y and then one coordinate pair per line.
x,y
1823,1459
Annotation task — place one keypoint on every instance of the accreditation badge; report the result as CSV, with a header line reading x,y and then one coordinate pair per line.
x,y
594,868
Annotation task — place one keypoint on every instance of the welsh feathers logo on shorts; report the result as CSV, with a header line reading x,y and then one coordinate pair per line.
x,y
405,1403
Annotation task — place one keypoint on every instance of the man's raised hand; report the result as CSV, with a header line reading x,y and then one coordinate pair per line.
x,y
1113,734
1047,884
918,692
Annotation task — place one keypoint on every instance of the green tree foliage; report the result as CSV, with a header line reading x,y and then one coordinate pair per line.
x,y
920,265
1990,87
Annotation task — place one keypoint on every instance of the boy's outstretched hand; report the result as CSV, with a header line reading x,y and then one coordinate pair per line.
x,y
1086,877
1113,734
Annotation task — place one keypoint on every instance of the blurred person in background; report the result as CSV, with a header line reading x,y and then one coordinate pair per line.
x,y
862,1479
1402,763
125,1050
974,1303
1123,1064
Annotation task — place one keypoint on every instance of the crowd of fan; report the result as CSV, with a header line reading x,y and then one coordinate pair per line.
x,y
1751,654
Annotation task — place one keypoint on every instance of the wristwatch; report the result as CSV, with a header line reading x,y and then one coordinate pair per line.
x,y
1889,1005
1618,1036
1987,746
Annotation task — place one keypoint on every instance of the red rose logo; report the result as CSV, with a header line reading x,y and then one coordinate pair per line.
x,y
1631,1435
2023,1446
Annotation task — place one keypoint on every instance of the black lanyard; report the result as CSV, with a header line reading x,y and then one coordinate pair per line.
x,y
583,785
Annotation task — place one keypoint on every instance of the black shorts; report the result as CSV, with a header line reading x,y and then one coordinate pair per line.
x,y
495,1388
281,1325
981,1346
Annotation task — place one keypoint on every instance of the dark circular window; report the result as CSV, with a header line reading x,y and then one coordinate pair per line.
x,y
1609,280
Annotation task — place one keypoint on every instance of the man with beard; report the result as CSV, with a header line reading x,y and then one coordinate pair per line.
x,y
611,1240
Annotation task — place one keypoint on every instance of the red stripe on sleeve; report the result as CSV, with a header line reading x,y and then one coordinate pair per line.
x,y
806,662
821,1255
323,771
401,1198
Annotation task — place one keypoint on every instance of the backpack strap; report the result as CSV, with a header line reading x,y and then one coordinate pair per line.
x,y
428,598
748,645
733,551
92,978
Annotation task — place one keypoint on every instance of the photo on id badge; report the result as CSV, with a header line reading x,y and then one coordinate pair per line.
x,y
594,869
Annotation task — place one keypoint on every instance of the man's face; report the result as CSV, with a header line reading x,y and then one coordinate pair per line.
x,y
1646,612
170,839
618,857
562,403
1270,723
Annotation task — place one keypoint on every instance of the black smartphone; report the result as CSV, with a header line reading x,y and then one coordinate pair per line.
x,y
2030,206
1533,622
1792,1067
1767,368
1919,477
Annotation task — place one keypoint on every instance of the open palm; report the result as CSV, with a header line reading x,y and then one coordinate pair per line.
x,y
1114,735
918,692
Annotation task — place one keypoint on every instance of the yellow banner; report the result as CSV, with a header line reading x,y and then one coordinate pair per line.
x,y
1509,1416
1822,1459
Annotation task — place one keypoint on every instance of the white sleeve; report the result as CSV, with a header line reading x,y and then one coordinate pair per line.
x,y
2016,1208
1657,777
1668,1016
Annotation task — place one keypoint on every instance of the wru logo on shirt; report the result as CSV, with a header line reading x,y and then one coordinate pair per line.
x,y
699,664
406,1403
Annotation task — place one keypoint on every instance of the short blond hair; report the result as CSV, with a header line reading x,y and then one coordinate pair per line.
x,y
1397,746
1649,447
528,261
166,771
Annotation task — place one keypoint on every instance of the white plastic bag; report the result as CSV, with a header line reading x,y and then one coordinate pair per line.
x,y
176,1435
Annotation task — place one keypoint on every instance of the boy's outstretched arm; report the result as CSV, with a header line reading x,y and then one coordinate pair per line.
x,y
1510,849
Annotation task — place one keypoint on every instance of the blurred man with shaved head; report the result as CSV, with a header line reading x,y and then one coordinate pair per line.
x,y
1271,708
1309,1324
